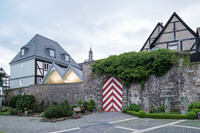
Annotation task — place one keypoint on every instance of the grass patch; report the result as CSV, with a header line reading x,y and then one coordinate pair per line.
x,y
4,113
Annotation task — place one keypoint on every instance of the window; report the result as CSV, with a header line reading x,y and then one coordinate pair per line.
x,y
67,58
46,66
21,82
39,79
22,52
51,53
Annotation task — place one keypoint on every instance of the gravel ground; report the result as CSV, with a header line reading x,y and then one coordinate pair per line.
x,y
96,123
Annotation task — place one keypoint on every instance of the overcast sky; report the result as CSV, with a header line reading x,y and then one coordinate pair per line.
x,y
110,26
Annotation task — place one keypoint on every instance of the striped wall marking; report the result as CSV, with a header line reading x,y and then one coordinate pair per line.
x,y
112,95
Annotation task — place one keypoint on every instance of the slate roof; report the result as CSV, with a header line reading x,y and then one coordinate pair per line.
x,y
36,48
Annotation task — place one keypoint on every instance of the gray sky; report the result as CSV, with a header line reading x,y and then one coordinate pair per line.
x,y
111,26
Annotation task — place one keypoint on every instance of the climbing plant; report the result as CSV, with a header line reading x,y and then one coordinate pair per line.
x,y
137,67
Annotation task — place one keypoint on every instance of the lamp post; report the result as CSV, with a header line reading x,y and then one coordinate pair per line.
x,y
20,92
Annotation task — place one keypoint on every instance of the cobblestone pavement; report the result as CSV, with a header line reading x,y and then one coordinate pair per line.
x,y
105,122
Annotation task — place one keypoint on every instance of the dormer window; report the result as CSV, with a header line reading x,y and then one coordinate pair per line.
x,y
24,51
52,52
66,57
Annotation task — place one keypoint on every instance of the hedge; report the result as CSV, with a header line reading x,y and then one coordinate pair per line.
x,y
160,116
196,110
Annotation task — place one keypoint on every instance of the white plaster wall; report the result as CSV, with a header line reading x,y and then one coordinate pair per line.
x,y
15,83
22,70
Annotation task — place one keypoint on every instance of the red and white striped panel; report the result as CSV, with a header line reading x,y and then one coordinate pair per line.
x,y
112,95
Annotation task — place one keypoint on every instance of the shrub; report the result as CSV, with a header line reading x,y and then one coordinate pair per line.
x,y
54,103
132,113
40,106
91,105
194,105
79,102
85,104
161,108
196,110
27,101
125,110
72,107
134,107
58,111
5,109
152,109
166,116
14,112
191,115
65,102
142,114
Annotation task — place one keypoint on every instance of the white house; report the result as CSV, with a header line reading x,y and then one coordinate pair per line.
x,y
31,64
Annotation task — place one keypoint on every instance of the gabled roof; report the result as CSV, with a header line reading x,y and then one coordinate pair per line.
x,y
75,70
159,24
62,72
173,15
37,48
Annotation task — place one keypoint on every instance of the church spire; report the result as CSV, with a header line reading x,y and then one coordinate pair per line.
x,y
90,55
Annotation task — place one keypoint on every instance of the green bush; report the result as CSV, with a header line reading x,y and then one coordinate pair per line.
x,y
132,113
58,111
27,101
161,108
125,110
194,105
159,116
65,102
5,109
72,107
85,104
54,103
80,102
14,112
152,109
91,105
166,116
134,107
196,110
142,114
191,115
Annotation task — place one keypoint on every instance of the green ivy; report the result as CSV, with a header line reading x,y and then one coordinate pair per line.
x,y
137,67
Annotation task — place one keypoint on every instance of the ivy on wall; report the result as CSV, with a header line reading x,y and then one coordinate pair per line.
x,y
137,67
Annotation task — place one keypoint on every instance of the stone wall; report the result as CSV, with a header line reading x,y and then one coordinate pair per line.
x,y
179,81
53,92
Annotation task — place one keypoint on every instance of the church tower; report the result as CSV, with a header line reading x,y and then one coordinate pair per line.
x,y
90,55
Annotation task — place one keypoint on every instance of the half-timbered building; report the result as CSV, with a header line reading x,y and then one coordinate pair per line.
x,y
31,64
175,35
4,81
